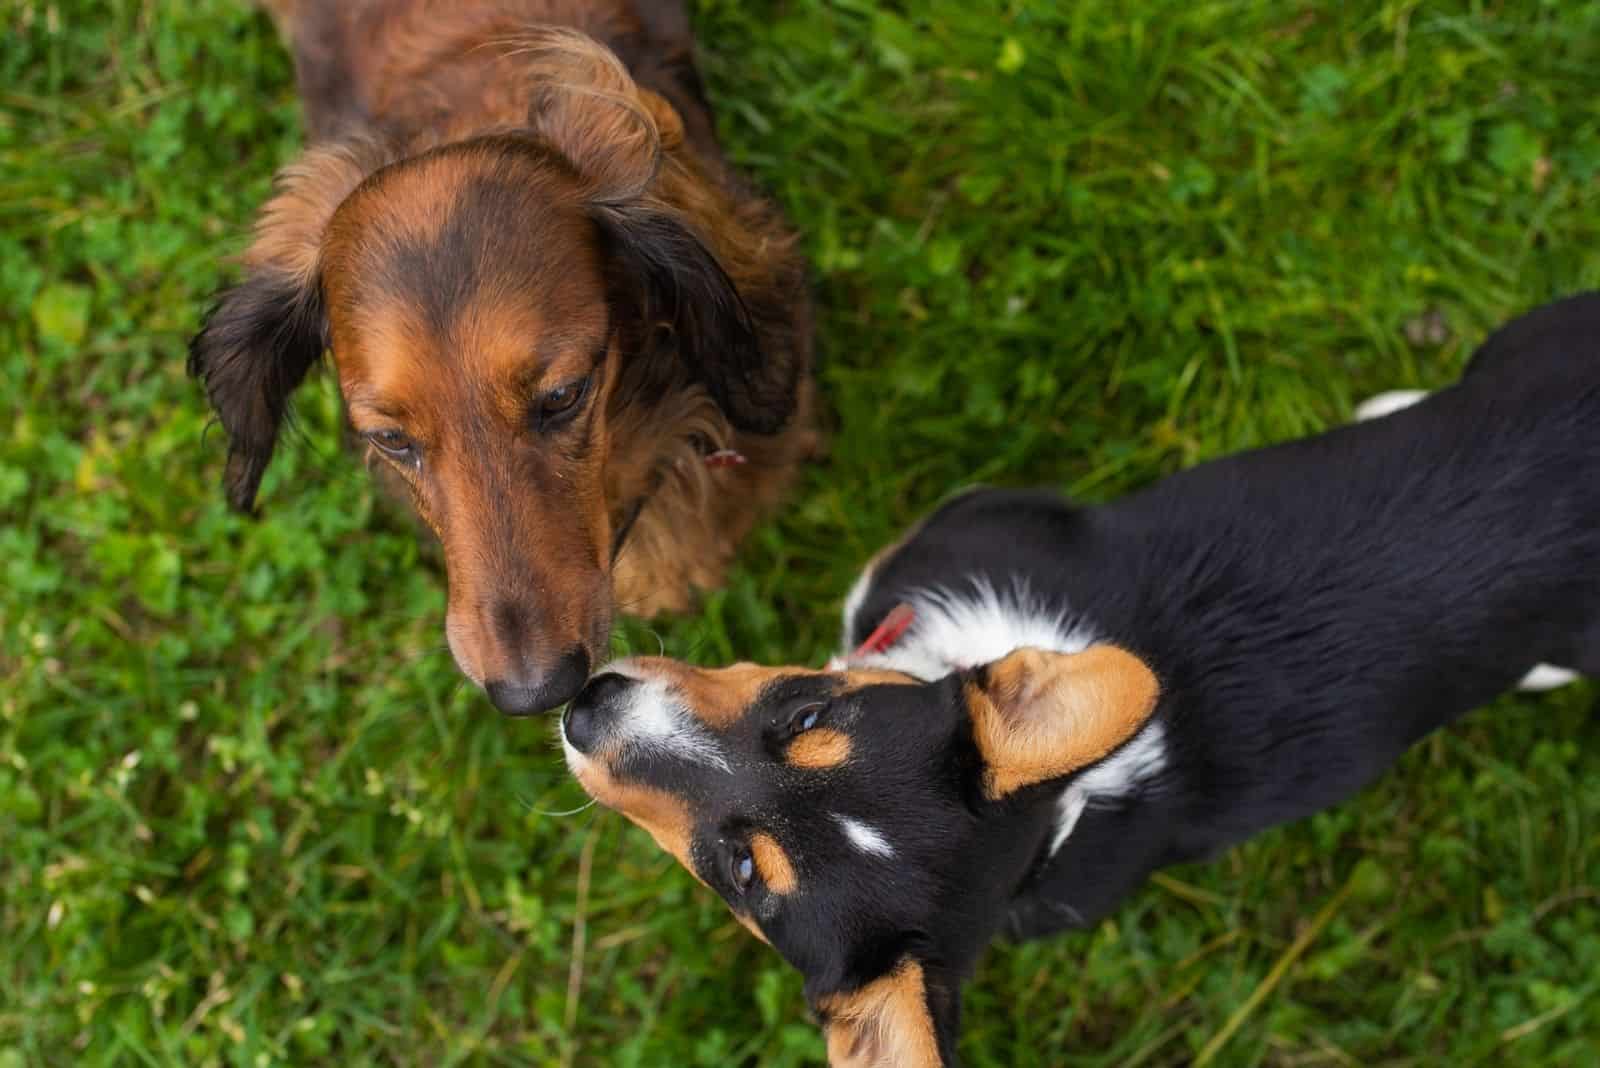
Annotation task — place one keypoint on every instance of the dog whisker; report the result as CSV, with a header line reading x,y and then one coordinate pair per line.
x,y
558,815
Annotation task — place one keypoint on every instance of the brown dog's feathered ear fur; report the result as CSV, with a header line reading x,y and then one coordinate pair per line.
x,y
255,348
889,1023
623,141
265,333
589,108
683,287
1039,715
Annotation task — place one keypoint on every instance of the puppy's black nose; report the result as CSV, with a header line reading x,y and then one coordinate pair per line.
x,y
593,708
524,697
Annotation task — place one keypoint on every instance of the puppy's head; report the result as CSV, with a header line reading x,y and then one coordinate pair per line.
x,y
868,825
491,306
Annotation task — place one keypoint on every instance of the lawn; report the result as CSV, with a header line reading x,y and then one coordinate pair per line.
x,y
250,816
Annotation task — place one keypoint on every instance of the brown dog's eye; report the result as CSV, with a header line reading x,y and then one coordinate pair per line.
x,y
393,443
742,870
562,402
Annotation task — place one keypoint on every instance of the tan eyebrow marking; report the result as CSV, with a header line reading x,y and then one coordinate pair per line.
x,y
819,749
773,863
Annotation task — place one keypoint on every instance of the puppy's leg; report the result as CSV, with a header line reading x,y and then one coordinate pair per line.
x,y
1387,403
1546,677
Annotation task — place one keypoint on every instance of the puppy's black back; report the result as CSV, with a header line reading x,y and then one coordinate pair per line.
x,y
1315,607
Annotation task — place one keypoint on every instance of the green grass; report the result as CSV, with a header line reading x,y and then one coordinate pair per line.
x,y
248,816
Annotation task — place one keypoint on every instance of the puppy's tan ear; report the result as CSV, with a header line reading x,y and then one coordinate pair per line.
x,y
1039,715
885,1024
589,108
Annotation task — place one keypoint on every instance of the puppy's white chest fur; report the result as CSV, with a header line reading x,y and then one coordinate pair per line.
x,y
951,631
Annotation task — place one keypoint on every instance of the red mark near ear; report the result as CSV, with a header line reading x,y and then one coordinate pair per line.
x,y
888,632
725,458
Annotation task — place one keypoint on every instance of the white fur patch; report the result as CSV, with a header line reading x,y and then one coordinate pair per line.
x,y
1388,403
654,719
1547,677
1119,775
864,838
950,631
576,761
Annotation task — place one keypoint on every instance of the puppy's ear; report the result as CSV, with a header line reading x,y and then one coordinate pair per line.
x,y
264,334
1039,715
903,1020
682,288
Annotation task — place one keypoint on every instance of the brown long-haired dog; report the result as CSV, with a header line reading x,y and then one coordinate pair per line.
x,y
548,302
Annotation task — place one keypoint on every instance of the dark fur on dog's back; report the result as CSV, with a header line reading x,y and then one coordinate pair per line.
x,y
1087,694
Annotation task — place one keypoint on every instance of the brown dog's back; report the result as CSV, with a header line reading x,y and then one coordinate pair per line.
x,y
416,68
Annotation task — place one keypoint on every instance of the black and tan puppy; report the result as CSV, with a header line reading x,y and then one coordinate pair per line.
x,y
1083,695
572,335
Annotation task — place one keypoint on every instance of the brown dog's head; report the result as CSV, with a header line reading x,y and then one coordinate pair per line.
x,y
493,306
871,827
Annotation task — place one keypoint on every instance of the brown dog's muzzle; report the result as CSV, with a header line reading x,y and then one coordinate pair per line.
x,y
524,695
525,631
524,664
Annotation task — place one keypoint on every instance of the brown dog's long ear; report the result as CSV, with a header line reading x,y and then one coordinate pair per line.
x,y
893,1022
683,288
264,334
255,348
1039,715
619,138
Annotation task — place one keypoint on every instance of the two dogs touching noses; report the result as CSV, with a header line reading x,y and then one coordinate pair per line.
x,y
580,347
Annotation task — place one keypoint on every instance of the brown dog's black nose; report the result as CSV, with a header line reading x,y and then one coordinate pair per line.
x,y
590,712
517,697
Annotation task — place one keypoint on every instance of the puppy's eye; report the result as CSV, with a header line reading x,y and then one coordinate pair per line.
x,y
806,717
562,403
393,443
741,869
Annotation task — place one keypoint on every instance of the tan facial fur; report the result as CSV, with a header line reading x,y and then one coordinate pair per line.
x,y
772,863
885,1024
720,697
664,817
819,749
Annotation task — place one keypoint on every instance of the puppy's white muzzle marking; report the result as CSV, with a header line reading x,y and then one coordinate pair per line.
x,y
655,720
